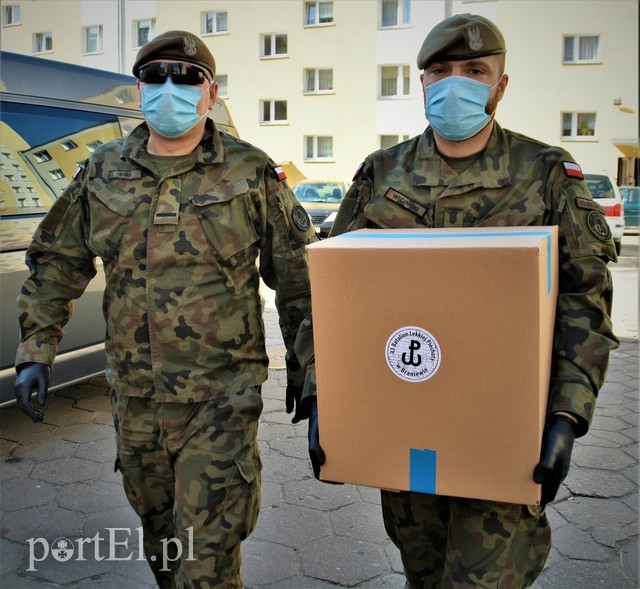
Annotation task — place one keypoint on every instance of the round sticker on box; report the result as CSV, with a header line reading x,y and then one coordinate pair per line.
x,y
413,354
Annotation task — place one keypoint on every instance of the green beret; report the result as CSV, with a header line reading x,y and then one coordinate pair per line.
x,y
459,37
176,45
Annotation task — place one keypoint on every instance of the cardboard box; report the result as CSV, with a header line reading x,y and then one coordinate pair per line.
x,y
433,353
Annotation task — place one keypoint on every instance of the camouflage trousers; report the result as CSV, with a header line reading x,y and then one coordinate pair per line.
x,y
192,473
452,543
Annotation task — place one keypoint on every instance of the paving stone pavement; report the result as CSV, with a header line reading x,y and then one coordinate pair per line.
x,y
57,481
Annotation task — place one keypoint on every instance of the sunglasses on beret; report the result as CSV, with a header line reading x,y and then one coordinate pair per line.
x,y
181,73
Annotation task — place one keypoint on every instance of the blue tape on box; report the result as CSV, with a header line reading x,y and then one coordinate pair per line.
x,y
422,470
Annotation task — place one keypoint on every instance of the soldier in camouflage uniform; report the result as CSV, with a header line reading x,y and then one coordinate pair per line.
x,y
186,220
466,171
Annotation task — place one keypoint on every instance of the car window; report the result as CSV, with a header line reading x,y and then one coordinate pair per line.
x,y
630,195
599,186
318,192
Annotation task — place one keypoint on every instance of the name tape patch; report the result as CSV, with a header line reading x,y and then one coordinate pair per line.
x,y
405,202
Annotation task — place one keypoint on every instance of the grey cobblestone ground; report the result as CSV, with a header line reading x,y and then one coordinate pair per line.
x,y
57,481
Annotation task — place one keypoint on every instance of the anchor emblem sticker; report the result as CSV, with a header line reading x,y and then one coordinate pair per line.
x,y
413,354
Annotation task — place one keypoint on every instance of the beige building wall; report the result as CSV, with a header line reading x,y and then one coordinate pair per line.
x,y
541,87
355,46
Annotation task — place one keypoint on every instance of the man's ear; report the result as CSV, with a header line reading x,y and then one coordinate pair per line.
x,y
213,92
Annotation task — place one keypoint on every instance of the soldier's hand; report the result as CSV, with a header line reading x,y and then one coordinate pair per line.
x,y
316,453
555,457
293,401
32,377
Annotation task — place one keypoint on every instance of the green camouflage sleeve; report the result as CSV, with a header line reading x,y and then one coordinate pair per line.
x,y
583,335
351,213
61,268
284,265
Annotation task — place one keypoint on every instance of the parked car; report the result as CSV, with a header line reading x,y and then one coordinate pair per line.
x,y
606,193
631,205
52,116
321,199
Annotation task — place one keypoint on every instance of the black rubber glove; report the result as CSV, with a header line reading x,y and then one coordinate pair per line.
x,y
32,377
316,453
293,401
555,457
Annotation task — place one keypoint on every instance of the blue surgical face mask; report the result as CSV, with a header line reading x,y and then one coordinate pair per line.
x,y
455,107
171,109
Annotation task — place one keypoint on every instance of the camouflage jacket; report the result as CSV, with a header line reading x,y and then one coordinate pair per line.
x,y
515,181
183,255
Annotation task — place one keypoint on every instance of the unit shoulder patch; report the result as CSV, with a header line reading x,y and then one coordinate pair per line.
x,y
598,225
300,218
279,173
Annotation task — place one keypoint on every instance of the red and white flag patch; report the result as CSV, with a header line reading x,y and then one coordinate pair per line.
x,y
280,173
573,170
358,171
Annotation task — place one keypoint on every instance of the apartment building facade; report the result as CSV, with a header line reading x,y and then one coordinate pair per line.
x,y
319,84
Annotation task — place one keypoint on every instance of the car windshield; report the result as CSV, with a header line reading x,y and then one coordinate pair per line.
x,y
318,192
599,186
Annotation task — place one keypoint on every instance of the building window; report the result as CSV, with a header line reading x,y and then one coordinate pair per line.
x,y
395,13
318,148
318,13
93,145
274,45
42,42
10,15
92,39
578,125
387,141
214,22
42,156
223,85
394,81
68,144
273,111
317,81
144,31
57,174
581,49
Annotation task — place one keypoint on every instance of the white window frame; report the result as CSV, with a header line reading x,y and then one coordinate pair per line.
x,y
388,141
214,17
86,32
311,149
403,82
270,52
402,14
271,106
69,144
313,18
42,42
575,41
56,174
577,120
314,87
42,156
11,15
137,29
93,145
223,85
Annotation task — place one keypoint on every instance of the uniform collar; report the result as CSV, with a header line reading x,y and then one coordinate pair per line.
x,y
210,150
490,170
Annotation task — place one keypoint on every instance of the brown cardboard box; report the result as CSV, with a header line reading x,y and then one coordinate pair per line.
x,y
433,353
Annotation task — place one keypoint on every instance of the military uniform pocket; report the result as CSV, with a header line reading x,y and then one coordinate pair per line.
x,y
110,210
225,220
250,468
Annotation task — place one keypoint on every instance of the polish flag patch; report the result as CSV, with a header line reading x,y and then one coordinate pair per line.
x,y
358,171
280,173
573,170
